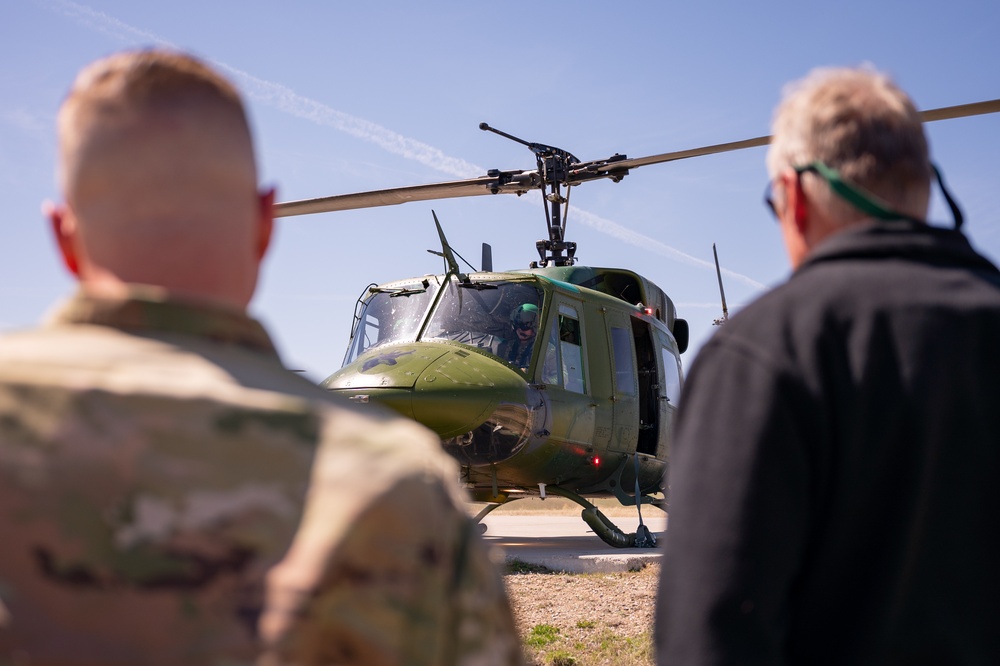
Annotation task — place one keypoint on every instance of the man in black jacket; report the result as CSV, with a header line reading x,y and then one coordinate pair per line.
x,y
834,493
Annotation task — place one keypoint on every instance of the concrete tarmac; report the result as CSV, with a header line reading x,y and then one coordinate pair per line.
x,y
566,543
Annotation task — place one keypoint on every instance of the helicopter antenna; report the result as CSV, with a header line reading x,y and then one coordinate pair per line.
x,y
487,258
447,252
722,292
467,262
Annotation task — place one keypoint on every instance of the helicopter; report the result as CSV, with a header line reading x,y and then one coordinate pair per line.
x,y
556,379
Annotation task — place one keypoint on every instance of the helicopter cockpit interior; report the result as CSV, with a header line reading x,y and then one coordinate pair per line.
x,y
478,313
475,313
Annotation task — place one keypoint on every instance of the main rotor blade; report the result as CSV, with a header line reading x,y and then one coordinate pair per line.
x,y
519,182
945,113
961,111
694,152
389,197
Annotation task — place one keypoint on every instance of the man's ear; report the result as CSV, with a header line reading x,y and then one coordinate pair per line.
x,y
794,215
265,221
64,227
798,203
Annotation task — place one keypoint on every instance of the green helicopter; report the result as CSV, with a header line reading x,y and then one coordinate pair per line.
x,y
557,379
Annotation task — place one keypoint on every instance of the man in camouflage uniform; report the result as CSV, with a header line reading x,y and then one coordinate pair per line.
x,y
169,493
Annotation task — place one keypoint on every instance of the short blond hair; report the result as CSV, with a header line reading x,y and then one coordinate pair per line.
x,y
857,121
148,79
144,82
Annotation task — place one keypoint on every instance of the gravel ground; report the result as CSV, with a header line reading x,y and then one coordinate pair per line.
x,y
582,619
600,618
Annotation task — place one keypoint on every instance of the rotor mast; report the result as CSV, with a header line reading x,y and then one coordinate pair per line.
x,y
554,165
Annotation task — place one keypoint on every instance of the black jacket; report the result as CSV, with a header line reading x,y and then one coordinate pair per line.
x,y
835,477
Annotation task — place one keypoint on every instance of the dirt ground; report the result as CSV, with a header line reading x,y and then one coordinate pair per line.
x,y
582,619
586,619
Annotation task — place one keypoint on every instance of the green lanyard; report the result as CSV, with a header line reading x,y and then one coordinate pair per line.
x,y
853,195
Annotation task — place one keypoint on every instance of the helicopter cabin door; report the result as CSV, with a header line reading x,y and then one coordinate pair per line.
x,y
650,425
564,370
638,410
625,387
669,391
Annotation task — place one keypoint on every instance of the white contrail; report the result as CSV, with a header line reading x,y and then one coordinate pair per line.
x,y
101,22
281,97
287,100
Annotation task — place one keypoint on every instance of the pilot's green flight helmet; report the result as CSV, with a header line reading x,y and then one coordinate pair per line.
x,y
524,316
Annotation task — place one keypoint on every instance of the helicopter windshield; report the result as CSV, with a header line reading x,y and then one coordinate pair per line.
x,y
501,317
390,315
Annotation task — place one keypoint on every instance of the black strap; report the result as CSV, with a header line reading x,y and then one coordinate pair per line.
x,y
956,212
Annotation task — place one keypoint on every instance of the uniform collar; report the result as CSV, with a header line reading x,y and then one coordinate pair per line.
x,y
152,310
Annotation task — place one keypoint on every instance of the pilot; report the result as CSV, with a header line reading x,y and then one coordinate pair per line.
x,y
524,324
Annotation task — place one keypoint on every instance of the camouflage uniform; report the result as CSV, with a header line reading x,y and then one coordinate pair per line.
x,y
154,459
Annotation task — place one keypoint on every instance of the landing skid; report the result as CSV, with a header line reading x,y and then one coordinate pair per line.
x,y
609,533
487,509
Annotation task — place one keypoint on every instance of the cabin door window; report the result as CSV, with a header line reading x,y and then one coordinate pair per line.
x,y
624,360
671,377
571,350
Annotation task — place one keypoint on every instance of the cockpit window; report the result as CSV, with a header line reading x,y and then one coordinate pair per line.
x,y
502,317
390,315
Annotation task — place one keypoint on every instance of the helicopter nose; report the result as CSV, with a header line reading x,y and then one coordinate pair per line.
x,y
460,390
483,410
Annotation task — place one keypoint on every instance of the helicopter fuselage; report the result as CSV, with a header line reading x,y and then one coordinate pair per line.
x,y
586,411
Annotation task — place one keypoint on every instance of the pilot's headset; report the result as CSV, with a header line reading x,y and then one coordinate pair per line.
x,y
524,317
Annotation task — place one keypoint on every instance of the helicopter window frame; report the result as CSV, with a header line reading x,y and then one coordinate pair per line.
x,y
477,313
551,360
571,348
624,361
672,377
390,315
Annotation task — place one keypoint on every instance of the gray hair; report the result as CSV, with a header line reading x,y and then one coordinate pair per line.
x,y
857,121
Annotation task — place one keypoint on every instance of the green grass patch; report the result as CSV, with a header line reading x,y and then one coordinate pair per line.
x,y
542,635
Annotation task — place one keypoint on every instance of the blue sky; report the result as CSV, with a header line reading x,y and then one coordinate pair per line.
x,y
348,97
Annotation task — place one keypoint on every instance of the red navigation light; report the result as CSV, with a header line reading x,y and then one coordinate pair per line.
x,y
648,311
595,461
